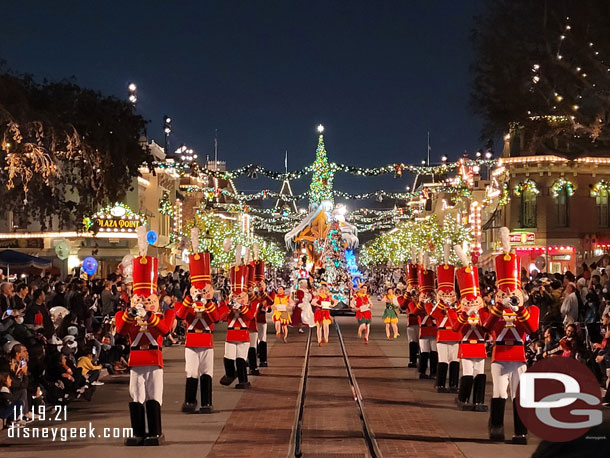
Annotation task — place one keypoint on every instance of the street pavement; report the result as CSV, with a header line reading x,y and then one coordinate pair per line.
x,y
407,416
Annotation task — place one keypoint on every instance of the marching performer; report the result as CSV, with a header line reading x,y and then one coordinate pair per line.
x,y
264,302
302,299
447,340
509,323
281,314
390,314
145,327
322,303
252,326
200,311
427,326
468,320
238,314
409,302
362,303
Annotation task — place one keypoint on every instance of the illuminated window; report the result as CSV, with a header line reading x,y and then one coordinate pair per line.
x,y
563,208
528,208
601,200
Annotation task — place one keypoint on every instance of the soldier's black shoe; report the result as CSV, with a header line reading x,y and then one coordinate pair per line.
x,y
441,389
412,364
242,385
254,372
138,424
153,414
464,405
519,440
263,364
496,419
187,407
230,372
206,409
424,376
480,408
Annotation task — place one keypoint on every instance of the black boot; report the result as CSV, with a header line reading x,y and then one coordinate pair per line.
x,y
433,363
478,393
520,436
138,425
206,394
230,375
190,395
454,376
496,419
262,348
413,349
252,361
464,393
441,378
423,364
242,375
153,415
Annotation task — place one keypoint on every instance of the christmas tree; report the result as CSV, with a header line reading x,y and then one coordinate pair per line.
x,y
333,260
321,187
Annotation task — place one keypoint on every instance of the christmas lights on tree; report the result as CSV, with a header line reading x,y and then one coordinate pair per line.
x,y
321,187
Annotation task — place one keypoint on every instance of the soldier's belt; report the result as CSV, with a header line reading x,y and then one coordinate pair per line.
x,y
152,347
473,341
510,343
199,331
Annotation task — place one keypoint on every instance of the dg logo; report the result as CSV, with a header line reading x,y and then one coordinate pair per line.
x,y
559,399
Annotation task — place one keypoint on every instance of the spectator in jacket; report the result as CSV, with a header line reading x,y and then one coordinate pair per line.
x,y
6,297
109,299
569,307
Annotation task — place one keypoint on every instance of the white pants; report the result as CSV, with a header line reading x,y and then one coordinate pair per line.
x,y
413,333
262,331
447,352
506,374
146,383
199,361
253,339
235,350
473,366
427,344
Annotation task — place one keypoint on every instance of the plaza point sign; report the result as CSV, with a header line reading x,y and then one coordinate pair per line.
x,y
114,218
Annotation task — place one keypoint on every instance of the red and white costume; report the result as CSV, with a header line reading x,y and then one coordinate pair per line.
x,y
363,308
447,340
508,323
238,317
200,314
409,303
145,327
468,320
427,326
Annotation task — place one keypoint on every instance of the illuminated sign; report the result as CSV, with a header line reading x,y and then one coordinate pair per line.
x,y
522,238
114,218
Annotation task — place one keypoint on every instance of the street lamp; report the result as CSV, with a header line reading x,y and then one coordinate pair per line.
x,y
133,97
167,129
444,159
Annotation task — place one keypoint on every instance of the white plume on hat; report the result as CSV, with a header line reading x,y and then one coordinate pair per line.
x,y
426,261
237,255
505,238
255,248
413,256
461,254
446,252
195,239
142,242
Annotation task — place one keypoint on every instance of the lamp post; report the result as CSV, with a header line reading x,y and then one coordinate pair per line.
x,y
167,129
133,96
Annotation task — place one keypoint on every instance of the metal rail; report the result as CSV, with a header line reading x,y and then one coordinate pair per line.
x,y
297,432
369,436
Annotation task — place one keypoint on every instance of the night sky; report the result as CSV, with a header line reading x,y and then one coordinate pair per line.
x,y
378,74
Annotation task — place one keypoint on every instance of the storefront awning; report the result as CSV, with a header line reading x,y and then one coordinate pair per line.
x,y
17,260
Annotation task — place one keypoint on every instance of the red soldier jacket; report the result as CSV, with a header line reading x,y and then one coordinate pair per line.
x,y
145,337
260,304
408,305
427,326
445,332
509,329
472,341
200,319
237,322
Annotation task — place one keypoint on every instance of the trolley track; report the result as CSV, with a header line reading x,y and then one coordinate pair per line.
x,y
325,418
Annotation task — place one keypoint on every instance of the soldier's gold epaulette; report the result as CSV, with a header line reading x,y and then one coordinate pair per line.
x,y
154,321
441,306
496,311
523,315
188,302
127,318
245,309
461,319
